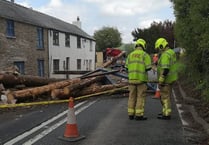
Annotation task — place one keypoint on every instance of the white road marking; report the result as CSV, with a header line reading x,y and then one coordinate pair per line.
x,y
51,128
185,123
25,134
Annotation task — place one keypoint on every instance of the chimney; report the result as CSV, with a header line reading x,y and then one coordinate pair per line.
x,y
12,1
77,23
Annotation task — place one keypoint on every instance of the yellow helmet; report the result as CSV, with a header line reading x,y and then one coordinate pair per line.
x,y
161,43
141,42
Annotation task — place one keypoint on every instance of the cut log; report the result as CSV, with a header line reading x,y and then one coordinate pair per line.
x,y
65,93
58,93
10,80
94,88
97,89
80,85
114,59
39,90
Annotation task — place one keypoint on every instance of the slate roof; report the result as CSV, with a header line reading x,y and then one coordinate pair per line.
x,y
10,10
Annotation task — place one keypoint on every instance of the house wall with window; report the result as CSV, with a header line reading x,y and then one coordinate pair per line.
x,y
72,53
25,46
39,44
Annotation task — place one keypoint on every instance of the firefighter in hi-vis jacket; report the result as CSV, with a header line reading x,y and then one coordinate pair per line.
x,y
167,75
138,63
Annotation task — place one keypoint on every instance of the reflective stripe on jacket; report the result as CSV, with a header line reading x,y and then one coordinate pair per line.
x,y
137,63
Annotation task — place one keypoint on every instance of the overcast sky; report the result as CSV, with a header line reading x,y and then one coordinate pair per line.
x,y
125,15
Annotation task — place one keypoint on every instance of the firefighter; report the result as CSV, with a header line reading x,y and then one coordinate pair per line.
x,y
167,75
138,63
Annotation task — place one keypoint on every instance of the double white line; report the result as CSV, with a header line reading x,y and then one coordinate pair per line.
x,y
44,124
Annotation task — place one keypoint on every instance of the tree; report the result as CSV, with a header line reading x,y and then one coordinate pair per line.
x,y
128,48
107,37
191,31
162,29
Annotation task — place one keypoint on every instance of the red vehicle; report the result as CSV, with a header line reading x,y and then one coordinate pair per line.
x,y
112,52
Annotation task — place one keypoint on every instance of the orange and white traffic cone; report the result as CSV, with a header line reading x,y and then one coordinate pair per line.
x,y
71,131
157,93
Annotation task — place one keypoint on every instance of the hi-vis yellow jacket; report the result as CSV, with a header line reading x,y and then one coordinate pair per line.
x,y
137,63
168,61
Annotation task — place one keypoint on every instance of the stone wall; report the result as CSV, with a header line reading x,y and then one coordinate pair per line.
x,y
23,47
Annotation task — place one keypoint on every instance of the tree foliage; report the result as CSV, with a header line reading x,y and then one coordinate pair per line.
x,y
162,29
128,48
107,37
192,31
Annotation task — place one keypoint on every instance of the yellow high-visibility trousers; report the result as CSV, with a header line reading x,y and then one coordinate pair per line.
x,y
136,100
165,93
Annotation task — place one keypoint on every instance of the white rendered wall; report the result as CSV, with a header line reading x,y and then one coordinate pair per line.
x,y
61,52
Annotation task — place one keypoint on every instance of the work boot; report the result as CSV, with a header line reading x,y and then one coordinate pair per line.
x,y
140,118
131,117
163,117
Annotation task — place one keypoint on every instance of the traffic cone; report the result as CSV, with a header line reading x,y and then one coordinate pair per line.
x,y
71,131
157,93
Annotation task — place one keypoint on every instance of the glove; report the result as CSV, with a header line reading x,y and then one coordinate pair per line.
x,y
161,79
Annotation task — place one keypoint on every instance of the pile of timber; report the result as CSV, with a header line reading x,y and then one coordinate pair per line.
x,y
19,88
52,88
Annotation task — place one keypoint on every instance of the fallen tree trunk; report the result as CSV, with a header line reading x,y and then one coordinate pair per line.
x,y
97,89
11,80
94,88
114,59
31,92
65,93
80,85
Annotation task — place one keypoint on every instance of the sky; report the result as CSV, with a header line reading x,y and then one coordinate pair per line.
x,y
124,15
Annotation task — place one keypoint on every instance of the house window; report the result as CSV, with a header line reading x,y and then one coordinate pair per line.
x,y
78,42
91,46
40,38
40,67
78,64
84,42
55,38
90,64
21,66
67,40
56,64
10,28
87,67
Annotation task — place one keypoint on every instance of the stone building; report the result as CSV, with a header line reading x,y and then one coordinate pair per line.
x,y
39,44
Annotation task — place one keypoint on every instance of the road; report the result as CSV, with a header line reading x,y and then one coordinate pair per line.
x,y
102,120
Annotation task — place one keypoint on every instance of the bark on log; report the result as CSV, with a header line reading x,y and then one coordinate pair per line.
x,y
114,59
94,88
58,93
80,85
11,80
97,89
39,90
66,92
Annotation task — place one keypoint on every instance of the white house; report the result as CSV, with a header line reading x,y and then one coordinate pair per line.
x,y
70,53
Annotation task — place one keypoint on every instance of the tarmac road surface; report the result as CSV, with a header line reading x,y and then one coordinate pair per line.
x,y
102,121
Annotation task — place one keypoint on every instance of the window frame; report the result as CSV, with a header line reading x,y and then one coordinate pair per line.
x,y
10,29
67,40
78,42
21,66
78,64
56,65
41,67
56,38
40,38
